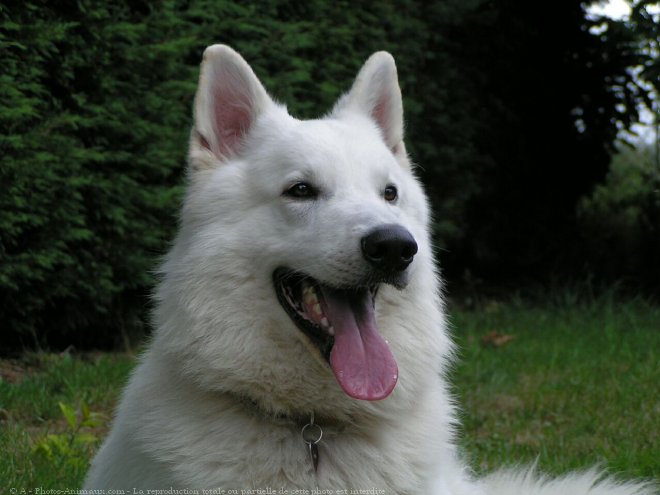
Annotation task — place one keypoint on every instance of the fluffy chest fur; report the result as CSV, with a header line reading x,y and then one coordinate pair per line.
x,y
209,440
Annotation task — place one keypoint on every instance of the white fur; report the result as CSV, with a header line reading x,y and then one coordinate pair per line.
x,y
219,398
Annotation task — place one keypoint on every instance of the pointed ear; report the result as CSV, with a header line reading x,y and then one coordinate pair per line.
x,y
228,101
376,93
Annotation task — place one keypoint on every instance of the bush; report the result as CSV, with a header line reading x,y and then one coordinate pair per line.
x,y
90,158
620,220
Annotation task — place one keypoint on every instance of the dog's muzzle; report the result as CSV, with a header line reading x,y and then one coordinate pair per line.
x,y
341,321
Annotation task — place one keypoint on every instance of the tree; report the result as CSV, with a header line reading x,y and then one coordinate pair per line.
x,y
546,99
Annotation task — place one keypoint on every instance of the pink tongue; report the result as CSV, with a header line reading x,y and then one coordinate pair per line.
x,y
360,358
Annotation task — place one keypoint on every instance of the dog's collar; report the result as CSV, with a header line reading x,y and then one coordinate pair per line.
x,y
311,432
279,418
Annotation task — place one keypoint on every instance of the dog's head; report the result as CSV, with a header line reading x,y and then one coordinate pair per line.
x,y
300,228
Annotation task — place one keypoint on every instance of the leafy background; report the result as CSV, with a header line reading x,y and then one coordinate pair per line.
x,y
512,115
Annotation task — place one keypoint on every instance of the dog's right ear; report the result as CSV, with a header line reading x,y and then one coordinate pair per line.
x,y
228,101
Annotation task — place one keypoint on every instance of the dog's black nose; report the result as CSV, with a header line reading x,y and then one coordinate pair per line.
x,y
389,248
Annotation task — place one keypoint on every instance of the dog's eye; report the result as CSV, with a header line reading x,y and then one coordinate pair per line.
x,y
390,194
301,190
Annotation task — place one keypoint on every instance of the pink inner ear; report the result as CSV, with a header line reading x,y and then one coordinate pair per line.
x,y
203,141
381,113
232,116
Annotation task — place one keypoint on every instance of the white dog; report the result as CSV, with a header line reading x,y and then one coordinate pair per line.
x,y
300,343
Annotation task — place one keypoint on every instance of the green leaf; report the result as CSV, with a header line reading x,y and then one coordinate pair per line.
x,y
43,448
86,438
69,415
94,420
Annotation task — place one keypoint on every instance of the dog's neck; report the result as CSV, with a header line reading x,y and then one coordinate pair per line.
x,y
290,419
310,431
280,418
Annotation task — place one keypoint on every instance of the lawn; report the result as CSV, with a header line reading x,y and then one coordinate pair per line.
x,y
567,385
41,449
571,386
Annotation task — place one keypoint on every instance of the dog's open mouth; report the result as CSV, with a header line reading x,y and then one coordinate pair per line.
x,y
342,324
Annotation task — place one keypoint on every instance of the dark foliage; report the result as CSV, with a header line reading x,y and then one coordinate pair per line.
x,y
94,110
511,115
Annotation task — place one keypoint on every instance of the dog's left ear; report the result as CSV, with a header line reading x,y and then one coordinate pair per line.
x,y
376,93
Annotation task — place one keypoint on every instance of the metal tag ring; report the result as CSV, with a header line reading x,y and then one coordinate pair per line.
x,y
312,433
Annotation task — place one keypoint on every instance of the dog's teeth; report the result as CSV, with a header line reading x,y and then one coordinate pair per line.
x,y
324,322
309,296
317,309
331,331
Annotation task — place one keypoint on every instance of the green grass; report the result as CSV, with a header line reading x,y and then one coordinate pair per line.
x,y
30,392
577,385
